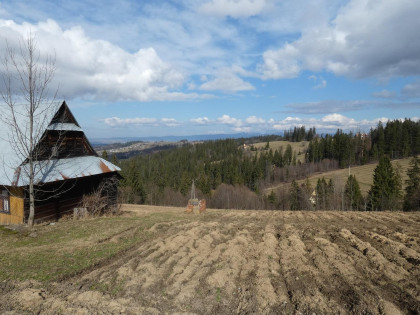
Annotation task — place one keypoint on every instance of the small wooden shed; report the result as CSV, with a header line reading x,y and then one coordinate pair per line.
x,y
67,169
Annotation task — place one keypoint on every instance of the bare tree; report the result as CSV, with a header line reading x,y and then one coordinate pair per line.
x,y
27,98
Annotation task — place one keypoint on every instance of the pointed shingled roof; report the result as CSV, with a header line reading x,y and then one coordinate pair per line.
x,y
56,117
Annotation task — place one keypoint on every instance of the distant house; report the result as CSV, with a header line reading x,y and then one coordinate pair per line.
x,y
67,169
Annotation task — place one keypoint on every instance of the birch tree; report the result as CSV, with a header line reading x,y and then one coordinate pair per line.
x,y
27,77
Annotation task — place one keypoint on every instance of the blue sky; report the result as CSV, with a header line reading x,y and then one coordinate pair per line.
x,y
159,68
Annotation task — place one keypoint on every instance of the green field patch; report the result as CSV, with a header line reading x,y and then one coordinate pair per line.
x,y
53,252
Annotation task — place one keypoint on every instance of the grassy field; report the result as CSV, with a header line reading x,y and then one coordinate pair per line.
x,y
39,253
156,260
364,175
297,147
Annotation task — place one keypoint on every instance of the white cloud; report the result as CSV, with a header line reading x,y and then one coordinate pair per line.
x,y
98,69
121,122
366,38
170,122
233,8
227,82
328,123
242,129
125,122
254,120
227,120
200,121
281,64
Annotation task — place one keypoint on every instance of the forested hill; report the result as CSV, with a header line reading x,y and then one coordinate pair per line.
x,y
166,177
397,139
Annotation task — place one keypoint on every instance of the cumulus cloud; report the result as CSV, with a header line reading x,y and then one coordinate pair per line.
x,y
366,38
227,120
98,69
170,122
233,8
327,123
281,64
200,121
254,120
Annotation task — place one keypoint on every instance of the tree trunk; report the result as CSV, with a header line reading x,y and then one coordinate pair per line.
x,y
31,204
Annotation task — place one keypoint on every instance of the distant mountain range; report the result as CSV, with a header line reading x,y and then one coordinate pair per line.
x,y
106,141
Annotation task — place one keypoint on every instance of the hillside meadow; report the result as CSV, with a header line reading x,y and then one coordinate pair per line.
x,y
298,148
363,173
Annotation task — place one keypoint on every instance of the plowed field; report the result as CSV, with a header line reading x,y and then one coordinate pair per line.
x,y
247,262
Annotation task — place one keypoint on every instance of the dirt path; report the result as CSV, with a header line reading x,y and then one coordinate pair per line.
x,y
249,262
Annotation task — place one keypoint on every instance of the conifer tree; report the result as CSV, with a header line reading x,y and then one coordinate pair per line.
x,y
384,193
412,197
294,196
321,194
288,154
353,195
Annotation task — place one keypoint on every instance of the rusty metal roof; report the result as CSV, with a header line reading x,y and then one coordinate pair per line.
x,y
62,169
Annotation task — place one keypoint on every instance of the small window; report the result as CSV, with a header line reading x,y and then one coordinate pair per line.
x,y
4,201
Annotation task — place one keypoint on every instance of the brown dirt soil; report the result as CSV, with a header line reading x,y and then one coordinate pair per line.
x,y
247,262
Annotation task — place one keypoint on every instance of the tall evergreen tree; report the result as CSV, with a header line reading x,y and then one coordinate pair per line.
x,y
288,154
321,191
294,196
412,197
384,193
353,195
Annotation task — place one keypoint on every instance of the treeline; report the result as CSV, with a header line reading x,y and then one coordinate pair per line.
x,y
398,139
298,134
147,179
224,171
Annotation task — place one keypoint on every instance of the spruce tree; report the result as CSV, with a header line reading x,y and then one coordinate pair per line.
x,y
288,154
294,196
353,195
321,194
384,193
412,197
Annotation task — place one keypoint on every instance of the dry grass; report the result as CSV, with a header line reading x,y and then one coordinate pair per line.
x,y
297,147
364,175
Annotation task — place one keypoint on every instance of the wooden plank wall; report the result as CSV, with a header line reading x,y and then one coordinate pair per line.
x,y
52,209
16,208
57,208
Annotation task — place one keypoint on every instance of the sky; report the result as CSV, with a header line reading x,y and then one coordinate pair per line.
x,y
198,67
